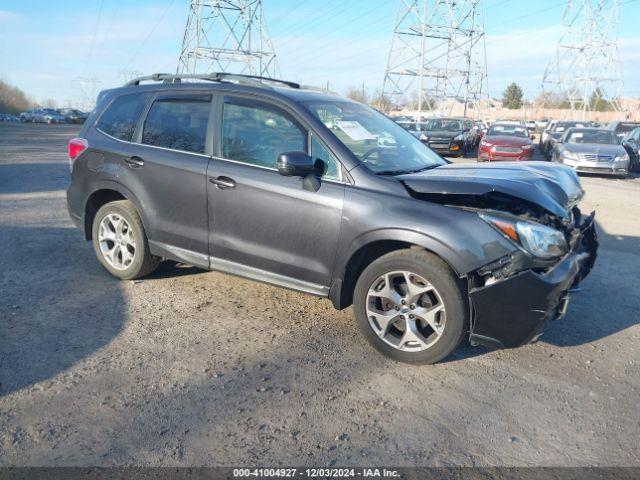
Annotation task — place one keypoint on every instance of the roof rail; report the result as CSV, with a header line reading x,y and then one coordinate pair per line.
x,y
251,80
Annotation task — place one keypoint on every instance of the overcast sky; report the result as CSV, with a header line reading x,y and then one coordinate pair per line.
x,y
45,45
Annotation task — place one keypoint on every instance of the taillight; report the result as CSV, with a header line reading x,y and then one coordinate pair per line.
x,y
76,147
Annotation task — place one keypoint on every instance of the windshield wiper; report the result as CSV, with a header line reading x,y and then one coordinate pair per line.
x,y
404,172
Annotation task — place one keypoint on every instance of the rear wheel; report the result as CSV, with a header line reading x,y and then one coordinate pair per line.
x,y
120,242
411,307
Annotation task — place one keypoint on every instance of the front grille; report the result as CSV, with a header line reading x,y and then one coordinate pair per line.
x,y
595,170
592,157
507,150
438,145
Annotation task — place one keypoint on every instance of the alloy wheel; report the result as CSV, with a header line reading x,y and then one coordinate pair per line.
x,y
117,242
405,311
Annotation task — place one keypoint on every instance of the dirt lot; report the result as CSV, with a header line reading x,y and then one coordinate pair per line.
x,y
198,368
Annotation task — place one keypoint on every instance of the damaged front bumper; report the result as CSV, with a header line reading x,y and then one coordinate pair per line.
x,y
513,311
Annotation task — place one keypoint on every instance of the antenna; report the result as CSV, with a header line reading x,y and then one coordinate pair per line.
x,y
586,68
437,54
227,36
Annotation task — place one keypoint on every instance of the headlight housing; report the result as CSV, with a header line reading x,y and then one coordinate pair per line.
x,y
423,137
459,138
569,156
621,158
536,239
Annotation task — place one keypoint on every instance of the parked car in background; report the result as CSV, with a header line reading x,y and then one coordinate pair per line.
x,y
448,136
509,122
71,115
506,142
557,131
49,115
481,129
544,135
542,124
409,125
30,115
622,128
592,150
631,143
531,126
7,117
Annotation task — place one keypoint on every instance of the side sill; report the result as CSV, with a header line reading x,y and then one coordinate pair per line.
x,y
213,263
189,257
267,277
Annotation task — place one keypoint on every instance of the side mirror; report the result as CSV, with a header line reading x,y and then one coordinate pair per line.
x,y
295,164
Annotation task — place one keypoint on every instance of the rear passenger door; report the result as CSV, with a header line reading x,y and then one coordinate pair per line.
x,y
167,168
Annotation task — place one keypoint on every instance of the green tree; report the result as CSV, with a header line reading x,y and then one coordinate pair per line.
x,y
512,97
598,103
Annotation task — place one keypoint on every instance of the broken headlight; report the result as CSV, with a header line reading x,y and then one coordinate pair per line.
x,y
534,238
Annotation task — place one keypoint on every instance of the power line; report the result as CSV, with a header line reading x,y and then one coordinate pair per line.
x,y
153,29
93,37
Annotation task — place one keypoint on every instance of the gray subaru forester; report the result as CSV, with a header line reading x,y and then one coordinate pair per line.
x,y
303,189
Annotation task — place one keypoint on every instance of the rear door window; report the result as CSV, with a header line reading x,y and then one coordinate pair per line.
x,y
178,123
121,116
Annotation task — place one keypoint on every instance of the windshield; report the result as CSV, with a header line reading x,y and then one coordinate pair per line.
x,y
444,125
377,141
563,127
508,130
602,137
625,127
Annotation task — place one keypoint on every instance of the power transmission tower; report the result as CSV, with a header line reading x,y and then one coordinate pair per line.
x,y
437,54
227,36
586,68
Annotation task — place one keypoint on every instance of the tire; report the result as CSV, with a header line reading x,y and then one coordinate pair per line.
x,y
447,287
142,262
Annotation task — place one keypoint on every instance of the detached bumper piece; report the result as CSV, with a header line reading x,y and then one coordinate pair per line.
x,y
512,312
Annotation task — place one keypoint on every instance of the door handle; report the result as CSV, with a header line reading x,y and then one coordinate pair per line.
x,y
134,162
223,182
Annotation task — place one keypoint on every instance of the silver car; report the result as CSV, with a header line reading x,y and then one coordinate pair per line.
x,y
592,150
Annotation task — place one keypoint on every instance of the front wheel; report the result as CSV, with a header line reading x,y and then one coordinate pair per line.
x,y
120,242
411,307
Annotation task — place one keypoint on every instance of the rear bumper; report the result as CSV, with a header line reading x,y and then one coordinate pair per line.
x,y
514,311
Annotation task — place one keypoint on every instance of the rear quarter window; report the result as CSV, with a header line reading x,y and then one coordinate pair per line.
x,y
121,116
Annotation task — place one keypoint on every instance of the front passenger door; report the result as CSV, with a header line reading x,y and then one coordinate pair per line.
x,y
265,225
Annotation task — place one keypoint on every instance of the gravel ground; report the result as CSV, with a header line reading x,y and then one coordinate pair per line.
x,y
199,368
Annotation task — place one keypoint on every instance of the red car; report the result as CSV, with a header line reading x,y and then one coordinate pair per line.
x,y
506,142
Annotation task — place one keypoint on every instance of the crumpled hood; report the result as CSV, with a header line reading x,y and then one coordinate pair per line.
x,y
552,186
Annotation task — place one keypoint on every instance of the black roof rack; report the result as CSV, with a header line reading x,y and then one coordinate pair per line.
x,y
250,80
